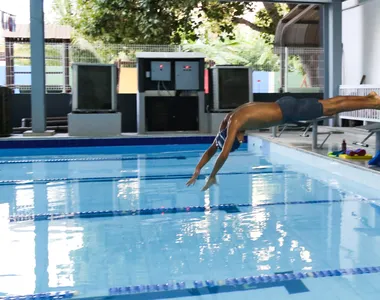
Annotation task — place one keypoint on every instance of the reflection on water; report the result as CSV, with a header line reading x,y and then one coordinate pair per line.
x,y
63,242
17,258
129,190
92,255
58,196
24,199
22,261
89,255
263,188
282,234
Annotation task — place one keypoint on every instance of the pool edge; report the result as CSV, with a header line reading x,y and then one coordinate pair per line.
x,y
341,161
136,140
344,172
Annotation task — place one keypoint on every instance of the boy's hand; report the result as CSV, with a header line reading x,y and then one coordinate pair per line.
x,y
194,178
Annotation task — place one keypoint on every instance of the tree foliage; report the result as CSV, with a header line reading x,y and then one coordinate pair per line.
x,y
165,21
246,49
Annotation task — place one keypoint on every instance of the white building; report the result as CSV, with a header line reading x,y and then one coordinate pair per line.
x,y
361,42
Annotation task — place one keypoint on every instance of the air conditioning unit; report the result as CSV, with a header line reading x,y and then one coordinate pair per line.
x,y
232,86
94,88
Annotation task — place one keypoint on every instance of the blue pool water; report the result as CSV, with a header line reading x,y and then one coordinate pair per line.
x,y
261,219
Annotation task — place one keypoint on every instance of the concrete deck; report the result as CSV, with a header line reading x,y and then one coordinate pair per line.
x,y
293,139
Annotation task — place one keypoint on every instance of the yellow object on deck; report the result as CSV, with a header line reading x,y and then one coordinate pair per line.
x,y
345,156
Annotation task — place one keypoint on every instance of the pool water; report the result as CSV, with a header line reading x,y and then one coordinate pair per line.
x,y
263,218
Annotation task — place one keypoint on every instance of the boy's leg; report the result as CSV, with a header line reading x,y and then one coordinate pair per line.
x,y
340,104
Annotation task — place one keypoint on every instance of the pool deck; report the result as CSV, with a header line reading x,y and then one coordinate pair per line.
x,y
293,139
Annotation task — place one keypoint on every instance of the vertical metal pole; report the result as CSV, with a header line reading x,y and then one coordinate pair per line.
x,y
66,67
141,128
333,49
140,99
286,69
282,83
63,72
202,116
325,42
282,68
274,131
37,46
314,134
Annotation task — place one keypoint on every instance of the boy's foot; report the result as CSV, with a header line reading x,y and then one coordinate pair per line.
x,y
375,96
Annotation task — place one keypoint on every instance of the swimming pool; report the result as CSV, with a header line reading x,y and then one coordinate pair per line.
x,y
120,222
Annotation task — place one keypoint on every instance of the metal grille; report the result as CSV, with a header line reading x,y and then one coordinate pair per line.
x,y
370,115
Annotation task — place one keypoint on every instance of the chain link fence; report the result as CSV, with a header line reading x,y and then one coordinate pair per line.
x,y
303,72
15,61
311,66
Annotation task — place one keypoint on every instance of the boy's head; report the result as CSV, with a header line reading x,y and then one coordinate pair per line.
x,y
221,138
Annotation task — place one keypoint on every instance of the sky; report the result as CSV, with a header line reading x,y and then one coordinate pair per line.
x,y
20,8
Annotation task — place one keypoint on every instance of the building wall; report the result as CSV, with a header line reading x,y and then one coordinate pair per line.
x,y
361,41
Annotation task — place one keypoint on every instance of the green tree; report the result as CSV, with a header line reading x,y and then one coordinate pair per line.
x,y
246,49
172,22
164,21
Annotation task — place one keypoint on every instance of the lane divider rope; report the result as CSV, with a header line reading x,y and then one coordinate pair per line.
x,y
42,296
154,211
236,282
58,160
241,281
148,177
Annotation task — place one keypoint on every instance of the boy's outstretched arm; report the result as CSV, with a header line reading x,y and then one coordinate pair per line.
x,y
209,153
231,134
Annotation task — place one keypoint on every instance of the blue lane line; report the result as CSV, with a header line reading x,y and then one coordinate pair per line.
x,y
59,160
43,296
117,178
228,208
177,290
207,287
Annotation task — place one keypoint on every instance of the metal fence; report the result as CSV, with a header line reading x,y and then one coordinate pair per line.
x,y
366,115
312,65
303,70
15,61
